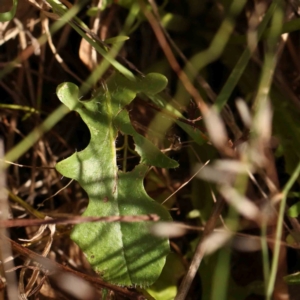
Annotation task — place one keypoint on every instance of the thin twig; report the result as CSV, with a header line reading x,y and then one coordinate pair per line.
x,y
77,220
185,183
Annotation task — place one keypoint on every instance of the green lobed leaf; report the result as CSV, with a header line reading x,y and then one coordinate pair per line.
x,y
122,253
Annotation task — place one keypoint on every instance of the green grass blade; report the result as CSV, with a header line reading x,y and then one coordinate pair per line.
x,y
240,66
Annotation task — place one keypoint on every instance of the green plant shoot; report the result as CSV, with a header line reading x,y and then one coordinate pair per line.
x,y
8,15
